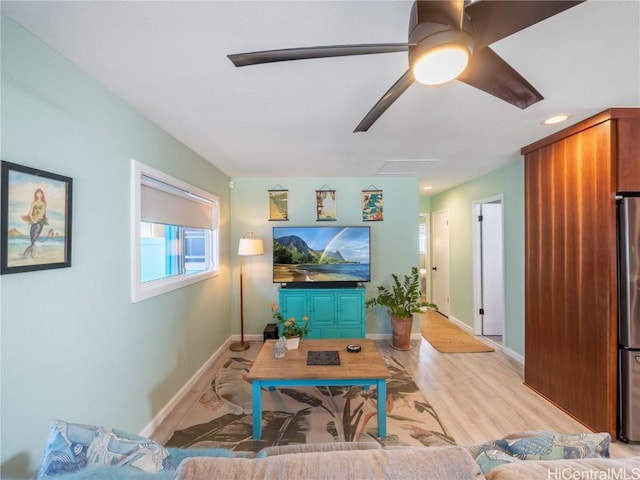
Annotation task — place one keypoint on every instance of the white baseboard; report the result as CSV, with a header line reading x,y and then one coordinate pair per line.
x,y
461,324
387,336
164,412
378,336
249,338
515,355
507,351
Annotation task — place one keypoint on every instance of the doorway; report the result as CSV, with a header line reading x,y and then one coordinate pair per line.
x,y
488,259
424,241
440,265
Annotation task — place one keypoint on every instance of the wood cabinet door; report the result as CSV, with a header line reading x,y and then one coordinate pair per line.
x,y
570,280
350,308
294,304
628,152
322,311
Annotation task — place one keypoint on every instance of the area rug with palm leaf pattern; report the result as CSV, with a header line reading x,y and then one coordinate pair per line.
x,y
222,418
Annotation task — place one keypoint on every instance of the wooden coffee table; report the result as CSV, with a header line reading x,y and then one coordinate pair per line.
x,y
365,368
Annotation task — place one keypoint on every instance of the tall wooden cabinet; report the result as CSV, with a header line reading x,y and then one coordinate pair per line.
x,y
571,181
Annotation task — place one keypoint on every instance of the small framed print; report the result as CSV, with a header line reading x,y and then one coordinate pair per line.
x,y
278,205
326,205
36,219
372,206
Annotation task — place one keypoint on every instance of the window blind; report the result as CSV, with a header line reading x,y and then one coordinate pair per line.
x,y
169,205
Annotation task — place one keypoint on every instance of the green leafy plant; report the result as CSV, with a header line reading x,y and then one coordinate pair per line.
x,y
290,328
403,298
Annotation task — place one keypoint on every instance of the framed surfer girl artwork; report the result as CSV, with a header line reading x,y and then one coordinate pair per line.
x,y
35,214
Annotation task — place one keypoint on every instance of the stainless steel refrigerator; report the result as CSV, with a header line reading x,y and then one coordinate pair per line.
x,y
629,318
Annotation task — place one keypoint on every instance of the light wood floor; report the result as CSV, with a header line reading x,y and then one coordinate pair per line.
x,y
478,396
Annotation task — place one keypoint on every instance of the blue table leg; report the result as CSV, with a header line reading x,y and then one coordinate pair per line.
x,y
256,387
382,407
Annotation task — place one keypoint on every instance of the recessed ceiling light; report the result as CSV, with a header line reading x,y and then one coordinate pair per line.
x,y
562,117
427,188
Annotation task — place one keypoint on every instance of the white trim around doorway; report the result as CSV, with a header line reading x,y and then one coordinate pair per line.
x,y
477,269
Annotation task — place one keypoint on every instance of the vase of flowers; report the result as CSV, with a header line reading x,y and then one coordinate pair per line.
x,y
290,329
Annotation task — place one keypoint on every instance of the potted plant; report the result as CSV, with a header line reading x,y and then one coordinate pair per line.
x,y
402,300
291,330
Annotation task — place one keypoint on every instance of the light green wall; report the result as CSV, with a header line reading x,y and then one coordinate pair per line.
x,y
394,241
73,345
425,204
508,182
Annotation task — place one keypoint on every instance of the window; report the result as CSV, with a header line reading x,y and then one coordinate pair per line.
x,y
422,238
174,233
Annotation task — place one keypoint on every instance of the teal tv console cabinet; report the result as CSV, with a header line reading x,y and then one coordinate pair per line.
x,y
332,312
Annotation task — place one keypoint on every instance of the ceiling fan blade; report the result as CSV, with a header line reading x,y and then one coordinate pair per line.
x,y
385,102
493,20
490,73
286,54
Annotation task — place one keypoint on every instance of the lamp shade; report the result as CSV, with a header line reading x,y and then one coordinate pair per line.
x,y
250,246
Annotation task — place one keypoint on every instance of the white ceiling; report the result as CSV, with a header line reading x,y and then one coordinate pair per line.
x,y
168,60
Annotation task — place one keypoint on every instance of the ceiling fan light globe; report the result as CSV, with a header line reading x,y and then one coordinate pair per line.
x,y
440,64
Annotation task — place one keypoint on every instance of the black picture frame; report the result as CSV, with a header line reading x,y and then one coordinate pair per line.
x,y
35,219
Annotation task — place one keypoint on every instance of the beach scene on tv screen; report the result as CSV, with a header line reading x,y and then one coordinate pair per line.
x,y
321,254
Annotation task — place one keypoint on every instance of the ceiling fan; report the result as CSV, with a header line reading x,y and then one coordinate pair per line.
x,y
447,40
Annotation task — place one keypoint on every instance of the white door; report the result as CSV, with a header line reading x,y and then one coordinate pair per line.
x,y
440,265
492,269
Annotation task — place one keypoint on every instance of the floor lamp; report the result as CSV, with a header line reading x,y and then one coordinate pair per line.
x,y
248,246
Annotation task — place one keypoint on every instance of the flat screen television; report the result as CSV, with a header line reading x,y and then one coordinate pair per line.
x,y
319,256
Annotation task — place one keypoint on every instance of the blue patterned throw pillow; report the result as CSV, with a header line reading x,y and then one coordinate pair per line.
x,y
558,447
72,447
488,459
547,446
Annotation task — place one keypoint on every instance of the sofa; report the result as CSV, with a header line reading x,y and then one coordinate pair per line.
x,y
81,452
371,461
